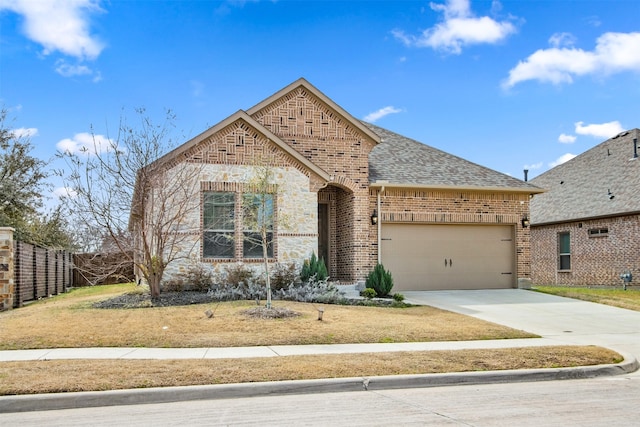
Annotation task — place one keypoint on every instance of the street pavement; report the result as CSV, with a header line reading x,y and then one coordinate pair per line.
x,y
559,321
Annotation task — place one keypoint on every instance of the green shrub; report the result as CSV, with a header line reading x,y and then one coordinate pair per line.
x,y
368,293
398,297
380,280
314,267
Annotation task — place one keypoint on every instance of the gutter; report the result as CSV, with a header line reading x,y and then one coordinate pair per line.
x,y
531,190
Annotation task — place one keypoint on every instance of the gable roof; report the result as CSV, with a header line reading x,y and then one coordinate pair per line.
x,y
582,187
243,116
301,82
399,161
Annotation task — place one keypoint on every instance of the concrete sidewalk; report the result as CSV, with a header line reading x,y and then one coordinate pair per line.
x,y
560,321
259,351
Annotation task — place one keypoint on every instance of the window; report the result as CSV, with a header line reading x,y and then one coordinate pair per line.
x,y
257,218
219,225
598,232
564,251
230,235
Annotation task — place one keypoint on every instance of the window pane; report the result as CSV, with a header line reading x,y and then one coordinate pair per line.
x,y
258,211
252,245
219,211
219,224
564,243
218,245
564,251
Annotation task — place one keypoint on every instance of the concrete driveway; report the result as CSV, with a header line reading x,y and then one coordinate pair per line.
x,y
563,319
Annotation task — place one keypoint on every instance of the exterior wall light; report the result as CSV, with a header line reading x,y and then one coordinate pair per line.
x,y
525,222
374,217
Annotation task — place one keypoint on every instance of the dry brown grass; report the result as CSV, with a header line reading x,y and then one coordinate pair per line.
x,y
69,320
96,375
617,297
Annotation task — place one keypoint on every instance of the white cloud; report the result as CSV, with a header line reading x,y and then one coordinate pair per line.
x,y
533,166
377,115
61,192
562,40
459,28
24,132
603,130
566,139
562,159
614,53
85,143
59,25
67,70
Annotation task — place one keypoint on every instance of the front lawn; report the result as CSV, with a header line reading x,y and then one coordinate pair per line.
x,y
69,320
617,297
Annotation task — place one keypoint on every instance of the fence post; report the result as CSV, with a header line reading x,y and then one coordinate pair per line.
x,y
6,268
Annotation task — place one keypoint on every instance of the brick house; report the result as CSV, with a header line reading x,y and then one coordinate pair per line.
x,y
354,194
585,229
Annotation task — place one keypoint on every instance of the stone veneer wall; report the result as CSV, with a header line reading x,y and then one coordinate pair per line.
x,y
596,260
6,268
296,231
456,207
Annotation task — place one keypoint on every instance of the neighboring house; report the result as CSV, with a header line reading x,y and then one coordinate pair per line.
x,y
585,229
344,189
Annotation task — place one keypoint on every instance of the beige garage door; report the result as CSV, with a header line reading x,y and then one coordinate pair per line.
x,y
437,257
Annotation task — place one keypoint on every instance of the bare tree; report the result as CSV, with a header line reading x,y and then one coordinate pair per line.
x,y
121,190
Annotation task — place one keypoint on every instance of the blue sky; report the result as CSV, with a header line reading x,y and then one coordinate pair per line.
x,y
508,85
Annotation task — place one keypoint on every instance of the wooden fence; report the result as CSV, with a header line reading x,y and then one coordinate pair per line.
x,y
29,272
102,269
40,272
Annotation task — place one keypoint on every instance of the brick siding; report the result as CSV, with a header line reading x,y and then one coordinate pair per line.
x,y
595,261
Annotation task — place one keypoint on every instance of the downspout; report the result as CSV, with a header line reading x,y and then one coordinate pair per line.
x,y
379,227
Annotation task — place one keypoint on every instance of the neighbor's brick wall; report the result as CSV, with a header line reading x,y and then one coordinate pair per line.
x,y
6,268
594,260
456,207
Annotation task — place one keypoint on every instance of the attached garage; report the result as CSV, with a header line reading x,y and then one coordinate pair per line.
x,y
442,257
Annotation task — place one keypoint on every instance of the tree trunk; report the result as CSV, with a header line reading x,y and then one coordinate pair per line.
x,y
265,256
154,284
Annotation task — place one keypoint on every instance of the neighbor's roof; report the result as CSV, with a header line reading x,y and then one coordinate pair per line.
x,y
603,181
399,161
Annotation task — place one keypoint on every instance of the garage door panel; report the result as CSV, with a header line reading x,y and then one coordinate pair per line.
x,y
430,257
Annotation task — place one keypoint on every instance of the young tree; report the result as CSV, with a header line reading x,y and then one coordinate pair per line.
x,y
259,216
140,205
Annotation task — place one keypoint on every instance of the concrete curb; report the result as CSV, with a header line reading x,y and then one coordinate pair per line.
x,y
55,401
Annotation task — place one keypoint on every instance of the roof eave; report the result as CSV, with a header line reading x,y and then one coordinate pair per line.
x,y
586,218
381,184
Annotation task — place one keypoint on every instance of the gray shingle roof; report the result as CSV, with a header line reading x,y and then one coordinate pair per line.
x,y
579,188
401,160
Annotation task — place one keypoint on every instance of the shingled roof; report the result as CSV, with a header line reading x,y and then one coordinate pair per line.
x,y
603,181
401,161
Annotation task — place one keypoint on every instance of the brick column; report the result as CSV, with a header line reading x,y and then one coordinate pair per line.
x,y
6,268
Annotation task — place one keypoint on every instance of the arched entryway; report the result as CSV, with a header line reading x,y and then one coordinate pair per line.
x,y
336,231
